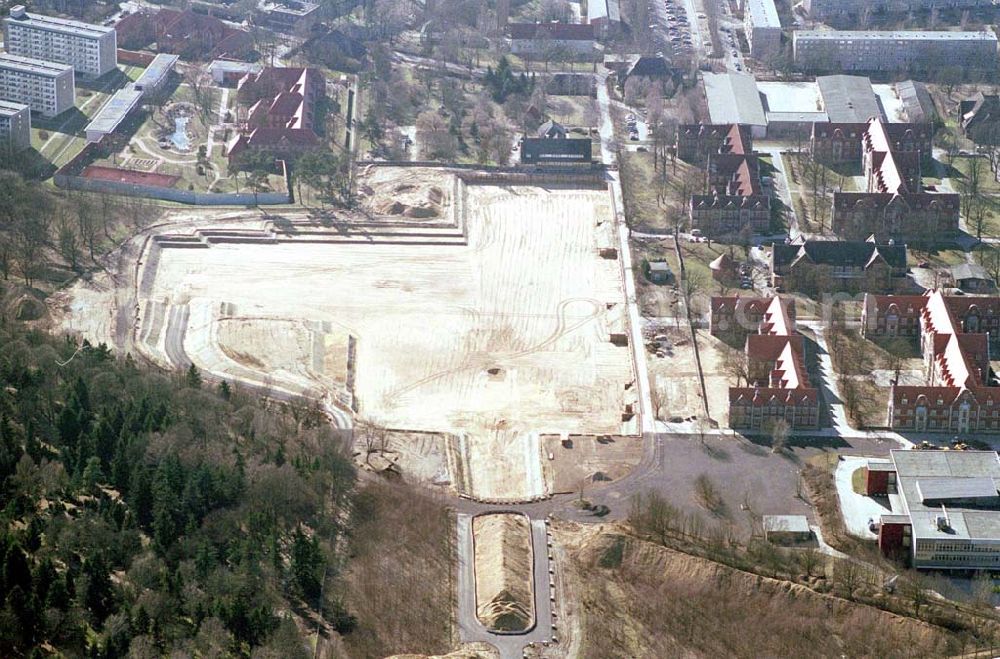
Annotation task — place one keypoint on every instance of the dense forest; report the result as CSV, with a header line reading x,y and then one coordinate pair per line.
x,y
145,513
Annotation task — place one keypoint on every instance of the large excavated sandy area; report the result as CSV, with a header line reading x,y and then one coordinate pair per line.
x,y
503,562
490,321
527,297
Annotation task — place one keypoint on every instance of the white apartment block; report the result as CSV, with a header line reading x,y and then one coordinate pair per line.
x,y
15,127
763,29
844,51
841,8
90,49
46,87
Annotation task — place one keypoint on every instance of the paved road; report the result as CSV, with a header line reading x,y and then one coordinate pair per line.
x,y
469,628
635,321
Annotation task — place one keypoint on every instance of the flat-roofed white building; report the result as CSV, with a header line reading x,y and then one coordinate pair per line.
x,y
226,72
733,98
46,87
763,29
156,74
15,127
90,49
945,508
113,113
899,50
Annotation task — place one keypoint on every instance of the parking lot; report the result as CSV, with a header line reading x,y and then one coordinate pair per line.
x,y
673,30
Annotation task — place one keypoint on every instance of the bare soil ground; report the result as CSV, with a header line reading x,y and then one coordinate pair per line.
x,y
641,600
494,335
417,456
585,459
714,356
413,193
674,377
467,651
503,565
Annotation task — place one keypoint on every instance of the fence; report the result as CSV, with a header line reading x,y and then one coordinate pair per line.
x,y
68,177
134,58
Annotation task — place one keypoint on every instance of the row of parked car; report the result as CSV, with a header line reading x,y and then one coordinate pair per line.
x,y
632,122
731,40
678,36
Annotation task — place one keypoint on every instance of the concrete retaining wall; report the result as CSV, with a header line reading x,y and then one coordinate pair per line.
x,y
170,194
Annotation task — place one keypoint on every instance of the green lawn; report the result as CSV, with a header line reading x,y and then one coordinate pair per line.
x,y
573,110
936,258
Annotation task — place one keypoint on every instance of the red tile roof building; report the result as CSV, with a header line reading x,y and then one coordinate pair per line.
x,y
695,142
955,336
187,33
895,204
278,107
736,197
777,381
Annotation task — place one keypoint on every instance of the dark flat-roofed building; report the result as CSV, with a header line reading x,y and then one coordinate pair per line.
x,y
556,151
848,99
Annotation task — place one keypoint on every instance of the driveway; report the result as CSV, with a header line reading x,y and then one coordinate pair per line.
x,y
511,646
856,508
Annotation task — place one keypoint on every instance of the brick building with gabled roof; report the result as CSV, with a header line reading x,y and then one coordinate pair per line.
x,y
695,142
843,265
956,335
777,381
736,198
187,33
895,205
278,115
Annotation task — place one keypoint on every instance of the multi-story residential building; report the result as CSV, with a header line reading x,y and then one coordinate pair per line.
x,y
15,128
288,15
838,265
945,508
956,334
540,39
777,381
851,50
845,8
90,49
763,29
46,87
895,206
277,111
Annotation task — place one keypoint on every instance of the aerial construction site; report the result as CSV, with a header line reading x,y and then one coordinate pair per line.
x,y
488,313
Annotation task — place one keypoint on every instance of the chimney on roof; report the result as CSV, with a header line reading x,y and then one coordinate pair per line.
x,y
942,520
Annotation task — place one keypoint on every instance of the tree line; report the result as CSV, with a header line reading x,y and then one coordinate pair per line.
x,y
146,514
42,230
